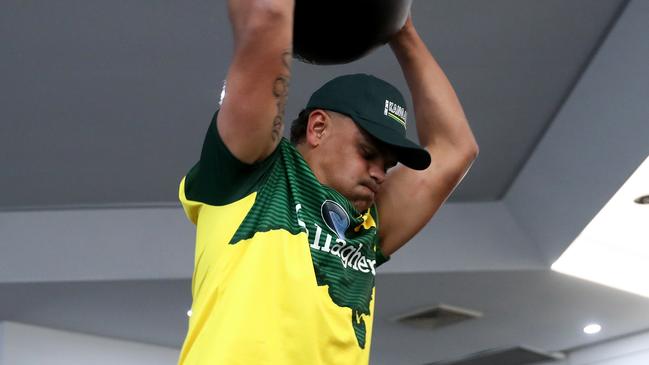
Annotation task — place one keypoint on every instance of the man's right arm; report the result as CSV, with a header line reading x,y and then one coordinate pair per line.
x,y
251,119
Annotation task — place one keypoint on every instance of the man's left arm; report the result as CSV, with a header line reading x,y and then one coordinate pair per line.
x,y
408,198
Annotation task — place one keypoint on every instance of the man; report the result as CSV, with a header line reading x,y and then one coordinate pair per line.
x,y
289,238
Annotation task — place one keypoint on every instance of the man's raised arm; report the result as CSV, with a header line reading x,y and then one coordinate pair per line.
x,y
409,198
251,119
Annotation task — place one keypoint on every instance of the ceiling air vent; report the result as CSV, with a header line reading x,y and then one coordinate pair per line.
x,y
520,355
438,316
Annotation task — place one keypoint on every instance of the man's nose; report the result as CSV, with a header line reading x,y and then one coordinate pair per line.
x,y
377,172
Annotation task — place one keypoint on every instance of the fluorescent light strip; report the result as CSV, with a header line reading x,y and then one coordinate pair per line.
x,y
613,249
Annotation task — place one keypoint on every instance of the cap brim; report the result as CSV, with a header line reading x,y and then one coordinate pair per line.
x,y
407,152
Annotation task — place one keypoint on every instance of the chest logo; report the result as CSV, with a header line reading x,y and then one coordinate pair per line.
x,y
335,217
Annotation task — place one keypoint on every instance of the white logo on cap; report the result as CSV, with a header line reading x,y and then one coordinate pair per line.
x,y
396,112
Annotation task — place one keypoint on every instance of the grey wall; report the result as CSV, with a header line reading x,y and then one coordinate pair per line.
x,y
2,328
468,237
31,345
99,244
117,244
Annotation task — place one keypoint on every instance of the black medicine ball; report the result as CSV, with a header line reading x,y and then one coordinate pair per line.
x,y
341,31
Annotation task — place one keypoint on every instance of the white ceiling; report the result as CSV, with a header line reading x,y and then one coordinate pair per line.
x,y
103,109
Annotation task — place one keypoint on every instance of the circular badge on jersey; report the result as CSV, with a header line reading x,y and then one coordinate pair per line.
x,y
335,217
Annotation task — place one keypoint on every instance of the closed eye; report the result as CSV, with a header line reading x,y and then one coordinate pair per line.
x,y
368,153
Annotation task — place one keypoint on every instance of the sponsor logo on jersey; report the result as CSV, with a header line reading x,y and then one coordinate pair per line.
x,y
350,256
335,217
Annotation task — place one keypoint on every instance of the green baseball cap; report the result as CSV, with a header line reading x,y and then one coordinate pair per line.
x,y
378,108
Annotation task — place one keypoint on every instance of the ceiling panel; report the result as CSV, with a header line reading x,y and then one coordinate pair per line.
x,y
106,103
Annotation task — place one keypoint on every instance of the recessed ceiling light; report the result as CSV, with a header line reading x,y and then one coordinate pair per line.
x,y
189,313
592,329
612,250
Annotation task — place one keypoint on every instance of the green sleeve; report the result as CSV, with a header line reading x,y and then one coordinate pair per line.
x,y
380,259
219,178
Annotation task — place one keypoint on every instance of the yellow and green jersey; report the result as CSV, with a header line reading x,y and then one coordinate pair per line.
x,y
284,266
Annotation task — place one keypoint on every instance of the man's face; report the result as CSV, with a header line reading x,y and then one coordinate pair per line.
x,y
351,161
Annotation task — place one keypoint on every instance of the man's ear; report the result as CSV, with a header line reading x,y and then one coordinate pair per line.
x,y
317,127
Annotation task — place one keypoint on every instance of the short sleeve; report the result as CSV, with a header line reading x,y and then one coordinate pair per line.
x,y
219,178
380,259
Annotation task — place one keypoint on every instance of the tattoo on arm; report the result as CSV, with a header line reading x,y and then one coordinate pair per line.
x,y
280,91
